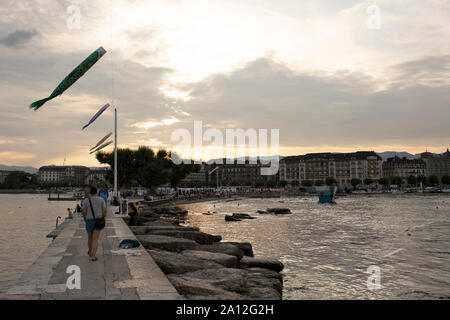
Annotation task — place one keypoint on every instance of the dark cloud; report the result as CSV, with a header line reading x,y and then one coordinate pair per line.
x,y
432,70
18,37
340,108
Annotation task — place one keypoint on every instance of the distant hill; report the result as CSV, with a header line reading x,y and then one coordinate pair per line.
x,y
31,170
389,154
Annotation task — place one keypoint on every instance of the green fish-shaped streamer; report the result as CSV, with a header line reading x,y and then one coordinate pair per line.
x,y
72,77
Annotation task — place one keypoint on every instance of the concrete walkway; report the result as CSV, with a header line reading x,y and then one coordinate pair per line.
x,y
112,276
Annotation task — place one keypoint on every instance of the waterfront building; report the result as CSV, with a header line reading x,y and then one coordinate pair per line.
x,y
343,167
436,164
63,175
243,172
403,167
97,176
198,179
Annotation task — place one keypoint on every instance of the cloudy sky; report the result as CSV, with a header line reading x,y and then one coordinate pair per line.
x,y
317,70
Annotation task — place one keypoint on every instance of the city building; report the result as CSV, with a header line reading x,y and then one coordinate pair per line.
x,y
63,175
97,176
239,173
196,178
403,167
343,167
436,164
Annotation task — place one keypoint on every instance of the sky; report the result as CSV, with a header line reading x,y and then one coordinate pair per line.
x,y
337,76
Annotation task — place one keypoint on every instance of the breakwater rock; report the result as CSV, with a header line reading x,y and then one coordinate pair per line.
x,y
201,267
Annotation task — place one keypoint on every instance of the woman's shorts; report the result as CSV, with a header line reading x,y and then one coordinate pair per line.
x,y
90,225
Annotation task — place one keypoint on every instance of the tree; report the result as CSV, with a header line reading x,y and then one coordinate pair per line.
x,y
445,179
145,167
422,179
283,183
384,182
307,183
368,181
433,180
355,182
397,181
20,180
318,182
330,181
412,180
294,183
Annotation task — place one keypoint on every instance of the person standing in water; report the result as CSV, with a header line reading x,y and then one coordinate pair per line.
x,y
94,207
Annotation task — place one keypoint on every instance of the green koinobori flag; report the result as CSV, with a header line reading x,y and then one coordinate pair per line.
x,y
72,77
101,147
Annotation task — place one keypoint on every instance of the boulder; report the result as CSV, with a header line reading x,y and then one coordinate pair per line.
x,y
225,260
265,263
245,247
279,210
226,295
172,211
262,293
140,230
261,279
176,263
267,273
158,222
197,236
221,248
242,216
153,241
231,218
189,286
228,279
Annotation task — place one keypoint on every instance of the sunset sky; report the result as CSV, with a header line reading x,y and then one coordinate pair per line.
x,y
312,69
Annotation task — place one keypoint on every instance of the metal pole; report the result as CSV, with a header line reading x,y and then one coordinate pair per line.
x,y
115,152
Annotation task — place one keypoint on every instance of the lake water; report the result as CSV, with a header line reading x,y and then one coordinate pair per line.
x,y
327,249
26,219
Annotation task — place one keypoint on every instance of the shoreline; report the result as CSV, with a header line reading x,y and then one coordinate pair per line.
x,y
199,265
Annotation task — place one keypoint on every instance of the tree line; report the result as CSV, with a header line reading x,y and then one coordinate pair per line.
x,y
411,181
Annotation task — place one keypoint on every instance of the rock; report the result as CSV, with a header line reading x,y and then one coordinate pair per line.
x,y
279,210
265,263
140,230
172,211
264,278
221,248
231,218
228,279
245,247
197,236
226,295
158,222
225,260
263,293
243,216
188,287
176,263
267,273
153,241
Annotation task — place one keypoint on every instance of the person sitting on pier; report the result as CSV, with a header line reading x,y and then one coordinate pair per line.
x,y
70,214
94,208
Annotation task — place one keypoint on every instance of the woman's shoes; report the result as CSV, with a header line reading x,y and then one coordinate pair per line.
x,y
94,258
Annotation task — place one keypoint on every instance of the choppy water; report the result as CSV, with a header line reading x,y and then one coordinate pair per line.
x,y
25,220
326,249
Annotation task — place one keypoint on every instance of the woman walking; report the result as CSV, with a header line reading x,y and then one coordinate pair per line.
x,y
94,213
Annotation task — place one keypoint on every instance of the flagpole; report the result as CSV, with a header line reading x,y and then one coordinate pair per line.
x,y
115,153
